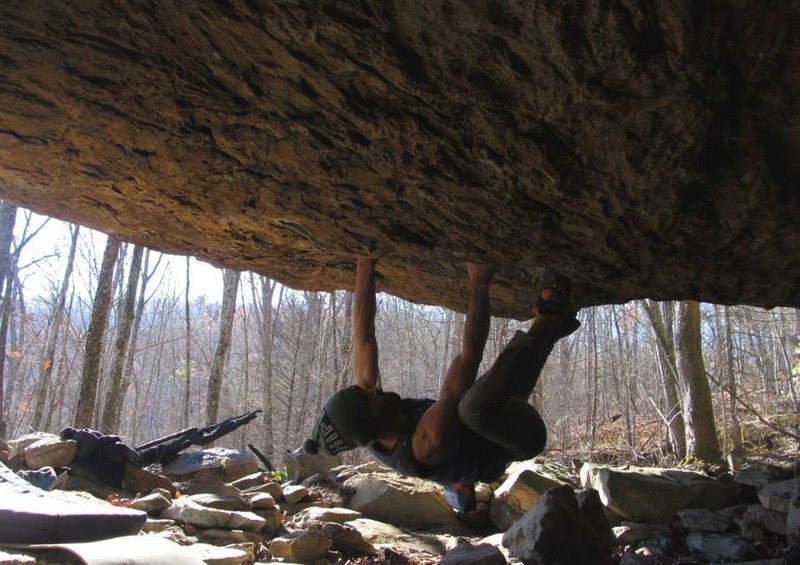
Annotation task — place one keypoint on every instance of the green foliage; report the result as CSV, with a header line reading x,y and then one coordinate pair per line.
x,y
280,475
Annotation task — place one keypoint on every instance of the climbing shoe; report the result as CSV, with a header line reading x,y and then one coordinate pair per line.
x,y
555,294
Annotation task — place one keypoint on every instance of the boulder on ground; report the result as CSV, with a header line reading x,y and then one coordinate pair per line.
x,y
761,474
185,510
518,494
720,547
382,534
403,501
315,513
344,537
793,521
773,521
212,554
300,546
300,465
467,554
139,480
778,495
219,536
705,520
294,493
555,531
221,463
50,451
152,503
655,495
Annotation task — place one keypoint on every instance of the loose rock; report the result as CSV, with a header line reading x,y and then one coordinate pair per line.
x,y
300,546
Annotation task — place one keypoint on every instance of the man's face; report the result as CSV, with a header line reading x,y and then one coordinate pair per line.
x,y
383,405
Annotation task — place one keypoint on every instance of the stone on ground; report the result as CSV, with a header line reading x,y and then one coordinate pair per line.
x,y
214,555
773,521
294,493
646,494
793,521
300,546
403,501
468,554
152,503
300,465
778,495
217,536
720,547
518,494
554,531
185,510
705,520
315,513
50,451
214,463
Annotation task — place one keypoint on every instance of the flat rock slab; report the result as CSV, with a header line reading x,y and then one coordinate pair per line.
x,y
403,501
720,547
646,494
31,515
778,495
337,515
517,494
300,546
468,554
383,534
213,463
185,510
50,452
706,520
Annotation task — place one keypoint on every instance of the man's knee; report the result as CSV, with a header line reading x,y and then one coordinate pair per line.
x,y
472,409
535,444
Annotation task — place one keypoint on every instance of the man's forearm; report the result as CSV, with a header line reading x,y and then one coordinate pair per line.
x,y
476,325
365,347
464,368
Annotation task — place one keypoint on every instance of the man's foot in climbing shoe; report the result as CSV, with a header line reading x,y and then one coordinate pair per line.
x,y
461,496
569,325
555,295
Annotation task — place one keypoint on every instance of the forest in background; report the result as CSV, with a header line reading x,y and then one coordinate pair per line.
x,y
108,344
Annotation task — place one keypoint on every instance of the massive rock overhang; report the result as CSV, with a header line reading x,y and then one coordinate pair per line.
x,y
643,149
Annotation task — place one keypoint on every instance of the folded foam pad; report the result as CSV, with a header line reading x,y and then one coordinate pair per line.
x,y
31,515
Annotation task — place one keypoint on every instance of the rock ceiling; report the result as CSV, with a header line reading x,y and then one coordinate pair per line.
x,y
646,149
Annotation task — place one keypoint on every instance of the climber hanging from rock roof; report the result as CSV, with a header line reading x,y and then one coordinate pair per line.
x,y
477,425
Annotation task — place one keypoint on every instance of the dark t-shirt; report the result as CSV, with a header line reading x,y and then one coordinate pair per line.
x,y
477,459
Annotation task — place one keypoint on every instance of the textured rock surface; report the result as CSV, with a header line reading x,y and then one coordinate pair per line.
x,y
644,149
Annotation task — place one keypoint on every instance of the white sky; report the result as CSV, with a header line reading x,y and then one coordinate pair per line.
x,y
43,260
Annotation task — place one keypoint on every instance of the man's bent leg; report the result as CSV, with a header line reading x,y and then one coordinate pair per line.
x,y
514,424
496,405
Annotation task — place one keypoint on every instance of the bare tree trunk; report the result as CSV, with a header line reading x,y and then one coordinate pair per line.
x,y
113,406
698,413
187,349
661,321
53,333
8,217
595,379
229,289
90,376
736,430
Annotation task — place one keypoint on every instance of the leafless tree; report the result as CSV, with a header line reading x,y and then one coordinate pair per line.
x,y
125,322
698,411
8,215
58,312
90,376
230,286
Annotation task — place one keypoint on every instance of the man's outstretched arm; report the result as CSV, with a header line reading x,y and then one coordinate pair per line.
x,y
436,437
365,346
